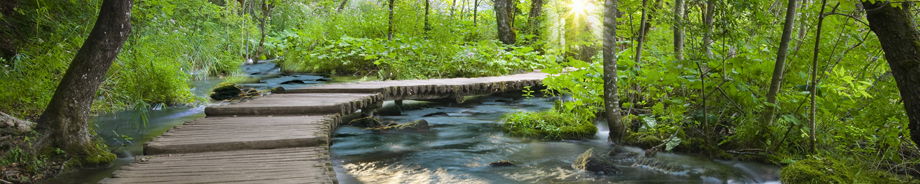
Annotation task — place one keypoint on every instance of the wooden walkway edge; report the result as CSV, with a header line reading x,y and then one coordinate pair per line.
x,y
284,138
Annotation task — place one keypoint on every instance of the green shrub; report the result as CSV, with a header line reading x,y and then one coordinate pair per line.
x,y
550,125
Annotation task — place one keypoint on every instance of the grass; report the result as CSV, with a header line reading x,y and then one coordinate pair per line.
x,y
549,125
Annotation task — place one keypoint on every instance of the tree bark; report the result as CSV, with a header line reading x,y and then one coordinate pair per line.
x,y
611,98
900,39
63,124
390,22
678,29
780,66
503,19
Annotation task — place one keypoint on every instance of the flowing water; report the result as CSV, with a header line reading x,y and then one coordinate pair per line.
x,y
462,141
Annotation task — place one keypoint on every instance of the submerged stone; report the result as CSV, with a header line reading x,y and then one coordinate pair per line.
x,y
366,122
593,162
415,126
503,163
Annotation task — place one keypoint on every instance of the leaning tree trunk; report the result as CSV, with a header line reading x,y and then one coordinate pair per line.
x,y
503,19
63,124
900,40
780,66
611,99
678,29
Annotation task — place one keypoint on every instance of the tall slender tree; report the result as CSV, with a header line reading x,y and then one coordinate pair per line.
x,y
427,8
642,29
503,19
536,10
708,20
64,123
390,21
678,29
780,67
611,98
900,39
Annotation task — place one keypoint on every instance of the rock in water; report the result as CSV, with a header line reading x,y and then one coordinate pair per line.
x,y
415,126
366,122
593,162
225,91
502,163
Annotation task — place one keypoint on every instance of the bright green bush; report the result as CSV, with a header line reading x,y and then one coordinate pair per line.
x,y
550,125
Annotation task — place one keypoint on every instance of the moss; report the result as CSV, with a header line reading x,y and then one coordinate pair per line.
x,y
550,125
225,91
830,170
97,156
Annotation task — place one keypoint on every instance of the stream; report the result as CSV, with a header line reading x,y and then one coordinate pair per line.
x,y
462,141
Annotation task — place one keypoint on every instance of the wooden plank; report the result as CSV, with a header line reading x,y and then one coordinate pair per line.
x,y
431,88
295,104
239,133
288,165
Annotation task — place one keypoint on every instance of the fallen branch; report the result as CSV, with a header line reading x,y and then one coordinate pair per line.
x,y
12,124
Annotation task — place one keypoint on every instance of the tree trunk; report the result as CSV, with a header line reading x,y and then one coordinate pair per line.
x,y
678,29
779,68
390,21
814,78
708,19
342,6
611,99
266,10
642,27
63,124
503,19
900,39
451,9
536,9
427,8
475,13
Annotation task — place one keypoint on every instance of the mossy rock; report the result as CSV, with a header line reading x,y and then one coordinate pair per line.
x,y
225,91
594,162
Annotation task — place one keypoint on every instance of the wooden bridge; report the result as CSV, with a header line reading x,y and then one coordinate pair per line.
x,y
285,138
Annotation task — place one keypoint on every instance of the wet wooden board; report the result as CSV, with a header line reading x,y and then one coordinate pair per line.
x,y
297,104
432,88
288,165
240,133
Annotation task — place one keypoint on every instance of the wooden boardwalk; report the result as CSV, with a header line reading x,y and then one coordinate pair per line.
x,y
284,138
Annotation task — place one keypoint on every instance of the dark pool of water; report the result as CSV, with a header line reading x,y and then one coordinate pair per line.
x,y
459,147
